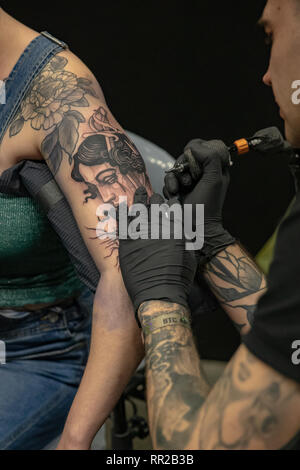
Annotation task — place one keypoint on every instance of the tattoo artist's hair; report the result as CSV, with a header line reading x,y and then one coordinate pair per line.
x,y
93,151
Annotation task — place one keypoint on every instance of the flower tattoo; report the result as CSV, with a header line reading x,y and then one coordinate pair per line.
x,y
49,104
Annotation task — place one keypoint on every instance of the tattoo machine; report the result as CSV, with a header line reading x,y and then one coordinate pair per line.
x,y
266,141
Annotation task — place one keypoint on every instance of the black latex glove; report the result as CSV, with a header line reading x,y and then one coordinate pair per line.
x,y
213,159
156,269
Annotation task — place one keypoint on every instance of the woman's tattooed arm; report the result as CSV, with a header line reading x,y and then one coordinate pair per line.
x,y
91,157
237,283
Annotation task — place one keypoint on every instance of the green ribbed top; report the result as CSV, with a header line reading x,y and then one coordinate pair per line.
x,y
34,266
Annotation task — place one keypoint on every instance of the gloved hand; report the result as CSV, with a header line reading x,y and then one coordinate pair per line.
x,y
213,159
156,269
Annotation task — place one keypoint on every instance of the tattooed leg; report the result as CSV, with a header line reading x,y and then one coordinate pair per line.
x,y
238,284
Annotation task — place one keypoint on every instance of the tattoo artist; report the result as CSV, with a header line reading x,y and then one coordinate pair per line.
x,y
255,404
183,412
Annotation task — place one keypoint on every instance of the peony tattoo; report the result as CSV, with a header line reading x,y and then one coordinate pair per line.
x,y
49,105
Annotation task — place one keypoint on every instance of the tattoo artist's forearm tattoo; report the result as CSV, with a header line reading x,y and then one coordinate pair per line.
x,y
237,282
176,386
249,408
101,157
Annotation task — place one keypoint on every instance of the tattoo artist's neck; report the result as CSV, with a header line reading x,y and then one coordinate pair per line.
x,y
14,38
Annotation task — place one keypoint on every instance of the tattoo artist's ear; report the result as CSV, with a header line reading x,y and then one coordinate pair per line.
x,y
141,196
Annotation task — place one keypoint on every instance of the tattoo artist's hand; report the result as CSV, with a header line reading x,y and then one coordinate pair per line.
x,y
213,159
156,269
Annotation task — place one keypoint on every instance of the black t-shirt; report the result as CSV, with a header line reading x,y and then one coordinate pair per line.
x,y
276,327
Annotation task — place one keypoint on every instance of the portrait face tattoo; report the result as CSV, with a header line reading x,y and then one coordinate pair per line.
x,y
110,166
106,162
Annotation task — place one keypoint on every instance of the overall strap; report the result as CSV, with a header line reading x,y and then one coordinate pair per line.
x,y
34,58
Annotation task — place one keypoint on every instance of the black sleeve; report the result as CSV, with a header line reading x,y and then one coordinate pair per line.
x,y
277,318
